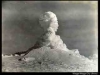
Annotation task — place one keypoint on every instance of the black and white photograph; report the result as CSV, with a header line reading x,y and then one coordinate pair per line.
x,y
50,36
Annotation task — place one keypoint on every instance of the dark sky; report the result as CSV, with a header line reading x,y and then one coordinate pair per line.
x,y
20,26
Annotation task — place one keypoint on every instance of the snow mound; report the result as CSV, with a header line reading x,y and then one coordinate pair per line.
x,y
7,55
53,55
50,60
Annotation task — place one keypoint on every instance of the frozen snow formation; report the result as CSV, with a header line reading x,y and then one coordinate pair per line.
x,y
48,19
49,23
53,56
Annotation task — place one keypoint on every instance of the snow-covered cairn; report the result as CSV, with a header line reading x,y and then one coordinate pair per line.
x,y
49,23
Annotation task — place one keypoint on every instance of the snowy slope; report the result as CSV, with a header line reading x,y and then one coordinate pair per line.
x,y
50,60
